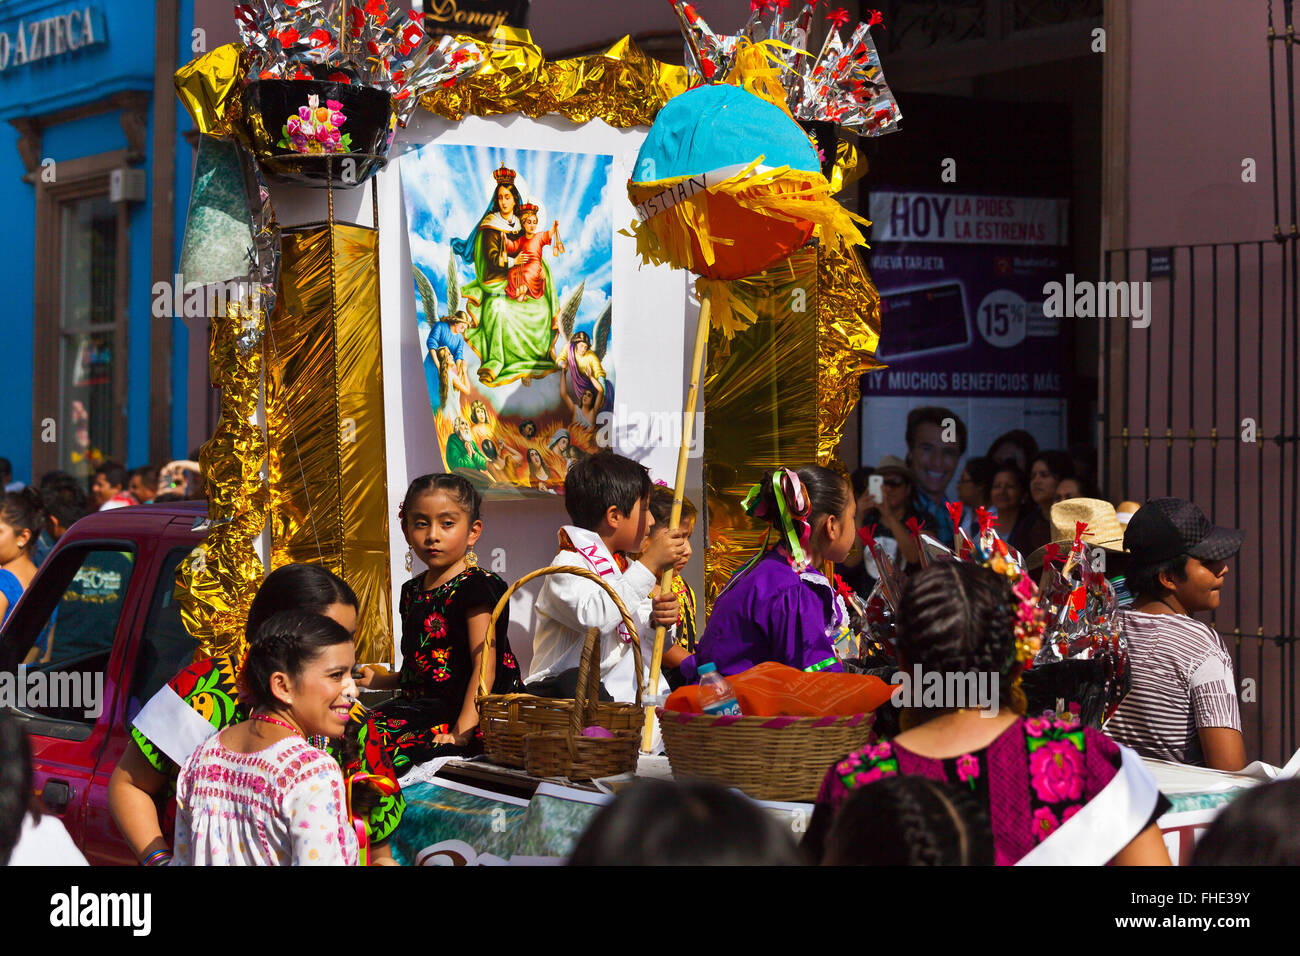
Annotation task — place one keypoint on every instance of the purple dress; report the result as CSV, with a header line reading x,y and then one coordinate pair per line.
x,y
772,613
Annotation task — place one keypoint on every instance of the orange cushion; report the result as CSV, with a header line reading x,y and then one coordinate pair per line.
x,y
775,690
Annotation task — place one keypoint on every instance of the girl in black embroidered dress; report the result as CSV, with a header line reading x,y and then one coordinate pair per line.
x,y
445,612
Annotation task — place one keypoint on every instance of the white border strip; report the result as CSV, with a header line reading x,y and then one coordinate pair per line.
x,y
172,725
1106,824
689,187
476,791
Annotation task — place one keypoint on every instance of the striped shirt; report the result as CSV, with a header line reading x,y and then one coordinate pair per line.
x,y
1182,681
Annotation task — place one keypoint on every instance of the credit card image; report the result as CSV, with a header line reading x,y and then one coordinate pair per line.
x,y
922,320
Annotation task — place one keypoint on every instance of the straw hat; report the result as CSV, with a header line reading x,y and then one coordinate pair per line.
x,y
1104,530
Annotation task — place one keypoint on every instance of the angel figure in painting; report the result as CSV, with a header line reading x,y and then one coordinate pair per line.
x,y
446,340
586,389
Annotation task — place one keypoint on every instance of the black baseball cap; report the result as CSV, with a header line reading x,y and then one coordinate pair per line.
x,y
1164,528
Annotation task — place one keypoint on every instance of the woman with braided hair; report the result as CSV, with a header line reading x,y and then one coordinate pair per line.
x,y
780,606
909,821
1055,792
261,792
206,698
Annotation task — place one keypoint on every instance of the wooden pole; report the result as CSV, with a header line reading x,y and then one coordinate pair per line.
x,y
679,492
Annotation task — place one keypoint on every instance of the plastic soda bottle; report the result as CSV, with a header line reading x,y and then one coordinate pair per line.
x,y
716,696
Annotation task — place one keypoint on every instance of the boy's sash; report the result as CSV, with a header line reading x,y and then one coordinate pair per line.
x,y
593,552
1106,824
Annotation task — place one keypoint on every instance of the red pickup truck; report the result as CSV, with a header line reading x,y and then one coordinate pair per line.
x,y
110,634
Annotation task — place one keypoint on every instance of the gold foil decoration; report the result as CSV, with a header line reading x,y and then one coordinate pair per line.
x,y
760,395
780,391
325,420
621,86
849,166
210,87
215,585
848,331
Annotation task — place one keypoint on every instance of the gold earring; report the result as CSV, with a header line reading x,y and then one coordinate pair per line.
x,y
471,559
410,556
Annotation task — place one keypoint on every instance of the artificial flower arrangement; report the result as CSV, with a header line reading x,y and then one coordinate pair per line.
x,y
316,128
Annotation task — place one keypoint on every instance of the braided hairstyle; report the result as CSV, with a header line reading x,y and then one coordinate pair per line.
x,y
957,617
286,642
24,511
910,821
464,493
308,590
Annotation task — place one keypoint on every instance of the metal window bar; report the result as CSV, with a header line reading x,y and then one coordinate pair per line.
x,y
1261,612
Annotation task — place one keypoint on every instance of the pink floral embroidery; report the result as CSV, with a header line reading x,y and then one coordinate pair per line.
x,y
864,777
1036,726
1044,824
1069,812
968,768
881,751
1056,772
435,626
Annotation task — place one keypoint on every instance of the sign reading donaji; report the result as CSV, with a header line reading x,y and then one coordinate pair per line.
x,y
475,17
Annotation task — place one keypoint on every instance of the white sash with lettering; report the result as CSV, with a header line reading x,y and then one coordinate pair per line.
x,y
591,548
1106,824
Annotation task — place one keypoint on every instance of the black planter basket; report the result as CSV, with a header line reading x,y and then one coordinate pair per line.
x,y
268,105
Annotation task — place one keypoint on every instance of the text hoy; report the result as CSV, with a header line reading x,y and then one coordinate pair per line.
x,y
1098,300
74,909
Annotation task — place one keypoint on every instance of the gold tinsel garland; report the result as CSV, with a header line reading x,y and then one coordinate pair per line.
x,y
621,86
216,584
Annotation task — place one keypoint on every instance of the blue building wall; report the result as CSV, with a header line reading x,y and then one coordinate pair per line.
x,y
17,264
56,83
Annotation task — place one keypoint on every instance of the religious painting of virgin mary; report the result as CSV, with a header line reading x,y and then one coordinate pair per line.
x,y
511,252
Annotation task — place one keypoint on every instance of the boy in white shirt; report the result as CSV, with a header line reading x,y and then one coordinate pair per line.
x,y
607,497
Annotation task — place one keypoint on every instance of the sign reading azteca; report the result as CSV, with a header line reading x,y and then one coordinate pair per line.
x,y
28,41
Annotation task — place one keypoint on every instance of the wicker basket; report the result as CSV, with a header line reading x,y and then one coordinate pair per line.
x,y
770,758
567,753
506,719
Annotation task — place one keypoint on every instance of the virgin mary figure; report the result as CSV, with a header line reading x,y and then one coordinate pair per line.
x,y
513,338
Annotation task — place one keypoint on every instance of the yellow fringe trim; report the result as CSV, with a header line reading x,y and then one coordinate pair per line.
x,y
783,194
757,70
726,312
